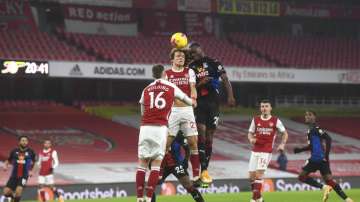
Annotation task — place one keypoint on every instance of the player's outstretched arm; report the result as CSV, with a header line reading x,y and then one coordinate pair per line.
x,y
182,96
301,149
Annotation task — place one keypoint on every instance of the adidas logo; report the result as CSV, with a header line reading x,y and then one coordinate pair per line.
x,y
76,71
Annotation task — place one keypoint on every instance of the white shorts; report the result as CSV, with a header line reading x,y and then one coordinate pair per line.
x,y
182,118
259,161
46,179
152,142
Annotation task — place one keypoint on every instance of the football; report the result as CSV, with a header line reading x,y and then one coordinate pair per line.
x,y
179,40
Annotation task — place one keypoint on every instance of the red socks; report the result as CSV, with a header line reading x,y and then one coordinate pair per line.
x,y
152,181
256,189
140,181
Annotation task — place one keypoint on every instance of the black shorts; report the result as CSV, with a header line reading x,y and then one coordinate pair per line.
x,y
322,166
207,112
14,182
177,171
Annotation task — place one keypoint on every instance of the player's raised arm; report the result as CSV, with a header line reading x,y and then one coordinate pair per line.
x,y
251,133
284,135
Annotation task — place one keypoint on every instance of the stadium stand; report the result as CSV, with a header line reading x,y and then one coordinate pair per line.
x,y
36,45
347,126
143,49
304,52
78,136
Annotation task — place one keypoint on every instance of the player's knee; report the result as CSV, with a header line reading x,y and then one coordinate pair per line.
x,y
192,144
330,182
18,194
252,176
259,174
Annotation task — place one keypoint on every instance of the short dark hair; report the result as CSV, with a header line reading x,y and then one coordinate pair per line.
x,y
174,50
311,111
157,71
23,136
194,44
265,101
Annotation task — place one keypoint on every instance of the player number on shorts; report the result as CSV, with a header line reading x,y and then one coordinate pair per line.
x,y
158,101
23,181
179,169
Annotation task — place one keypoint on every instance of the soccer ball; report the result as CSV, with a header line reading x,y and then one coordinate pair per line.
x,y
179,40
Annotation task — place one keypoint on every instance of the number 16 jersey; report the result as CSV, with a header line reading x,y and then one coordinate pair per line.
x,y
157,99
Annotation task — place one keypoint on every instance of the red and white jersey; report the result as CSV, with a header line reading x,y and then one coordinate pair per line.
x,y
48,160
265,132
182,79
157,100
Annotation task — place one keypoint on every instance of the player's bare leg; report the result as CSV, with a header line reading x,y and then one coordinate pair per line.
x,y
188,185
18,193
194,156
209,134
56,193
208,144
169,141
256,180
330,182
202,153
8,193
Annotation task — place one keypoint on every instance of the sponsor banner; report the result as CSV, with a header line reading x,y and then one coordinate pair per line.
x,y
118,190
162,23
235,74
198,24
110,3
99,14
320,10
99,70
249,7
100,20
282,75
16,15
24,67
312,10
194,6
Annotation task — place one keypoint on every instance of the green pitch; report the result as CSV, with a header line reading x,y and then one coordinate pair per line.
x,y
303,196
